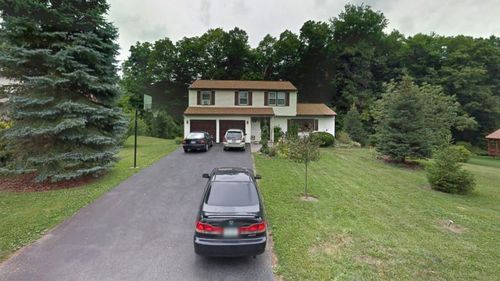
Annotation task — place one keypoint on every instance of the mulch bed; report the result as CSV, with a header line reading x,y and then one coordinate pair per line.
x,y
27,183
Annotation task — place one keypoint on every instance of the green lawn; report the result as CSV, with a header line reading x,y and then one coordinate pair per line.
x,y
485,161
24,217
375,221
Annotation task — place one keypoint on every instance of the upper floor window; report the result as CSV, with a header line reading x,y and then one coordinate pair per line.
x,y
243,98
277,98
206,97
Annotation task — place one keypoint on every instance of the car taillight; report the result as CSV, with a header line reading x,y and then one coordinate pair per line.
x,y
253,228
207,228
202,141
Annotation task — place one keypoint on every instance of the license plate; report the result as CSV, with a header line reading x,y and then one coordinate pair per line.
x,y
230,232
193,141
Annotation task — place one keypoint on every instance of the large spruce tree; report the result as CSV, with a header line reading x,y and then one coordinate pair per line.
x,y
402,129
62,56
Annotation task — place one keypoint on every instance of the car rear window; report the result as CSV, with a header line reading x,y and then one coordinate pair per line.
x,y
233,135
232,194
196,136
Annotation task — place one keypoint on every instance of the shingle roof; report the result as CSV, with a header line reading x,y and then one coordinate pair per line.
x,y
495,135
311,109
210,110
242,85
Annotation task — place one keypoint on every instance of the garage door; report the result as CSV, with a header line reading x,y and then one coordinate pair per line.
x,y
203,125
225,125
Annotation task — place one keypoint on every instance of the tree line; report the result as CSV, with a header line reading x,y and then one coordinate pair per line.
x,y
345,63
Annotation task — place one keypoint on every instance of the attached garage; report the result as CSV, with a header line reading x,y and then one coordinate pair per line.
x,y
208,126
225,125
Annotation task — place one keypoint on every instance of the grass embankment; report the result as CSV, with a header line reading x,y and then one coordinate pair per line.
x,y
376,221
25,217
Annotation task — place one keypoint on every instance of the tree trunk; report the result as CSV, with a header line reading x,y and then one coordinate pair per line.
x,y
305,187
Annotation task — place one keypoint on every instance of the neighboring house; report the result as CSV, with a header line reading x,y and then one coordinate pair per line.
x,y
218,105
493,140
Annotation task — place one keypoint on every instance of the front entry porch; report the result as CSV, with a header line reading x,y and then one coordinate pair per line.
x,y
257,123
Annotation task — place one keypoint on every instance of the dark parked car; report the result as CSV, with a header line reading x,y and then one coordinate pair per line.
x,y
197,141
230,220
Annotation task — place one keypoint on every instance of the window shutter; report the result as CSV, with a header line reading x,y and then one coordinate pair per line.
x,y
315,124
287,98
198,98
236,98
266,98
212,98
249,98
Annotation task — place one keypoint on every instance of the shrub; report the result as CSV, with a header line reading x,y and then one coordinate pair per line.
x,y
463,154
282,149
325,139
5,155
178,140
142,127
446,174
161,125
278,133
343,138
292,132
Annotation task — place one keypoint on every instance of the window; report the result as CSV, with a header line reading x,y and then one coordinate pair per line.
x,y
206,97
277,98
304,125
272,98
243,98
280,98
232,194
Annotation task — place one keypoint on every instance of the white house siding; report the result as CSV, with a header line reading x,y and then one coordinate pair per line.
x,y
326,124
217,118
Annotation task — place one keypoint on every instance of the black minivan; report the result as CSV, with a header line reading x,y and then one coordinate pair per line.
x,y
230,221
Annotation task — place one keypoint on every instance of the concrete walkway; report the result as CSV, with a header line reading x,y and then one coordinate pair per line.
x,y
141,230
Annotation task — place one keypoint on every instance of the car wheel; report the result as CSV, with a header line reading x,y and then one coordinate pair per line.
x,y
206,147
224,149
185,150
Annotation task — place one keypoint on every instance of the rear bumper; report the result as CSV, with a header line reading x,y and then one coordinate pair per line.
x,y
229,247
234,145
193,146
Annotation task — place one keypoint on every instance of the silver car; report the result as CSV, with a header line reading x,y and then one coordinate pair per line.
x,y
234,138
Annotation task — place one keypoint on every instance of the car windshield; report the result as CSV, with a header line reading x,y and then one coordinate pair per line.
x,y
233,135
232,194
196,136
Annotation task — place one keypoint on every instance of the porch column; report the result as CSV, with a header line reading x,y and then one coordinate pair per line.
x,y
217,130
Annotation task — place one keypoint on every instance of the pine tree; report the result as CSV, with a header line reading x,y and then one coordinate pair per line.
x,y
402,130
354,127
62,55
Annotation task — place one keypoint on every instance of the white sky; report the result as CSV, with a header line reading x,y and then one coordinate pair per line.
x,y
149,20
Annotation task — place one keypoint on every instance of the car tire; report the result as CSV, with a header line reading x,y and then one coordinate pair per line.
x,y
185,150
206,147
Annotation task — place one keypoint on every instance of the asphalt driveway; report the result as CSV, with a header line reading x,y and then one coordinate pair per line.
x,y
141,230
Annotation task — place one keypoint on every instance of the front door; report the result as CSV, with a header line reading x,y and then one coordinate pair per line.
x,y
255,131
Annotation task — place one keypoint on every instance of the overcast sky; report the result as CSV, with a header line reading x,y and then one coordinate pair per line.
x,y
149,20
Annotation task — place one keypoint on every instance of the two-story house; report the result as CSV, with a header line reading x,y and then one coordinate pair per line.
x,y
218,105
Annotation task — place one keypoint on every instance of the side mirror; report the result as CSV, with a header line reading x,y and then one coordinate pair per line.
x,y
206,176
258,177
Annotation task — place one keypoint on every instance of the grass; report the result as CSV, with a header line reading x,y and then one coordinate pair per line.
x,y
25,217
375,221
485,161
